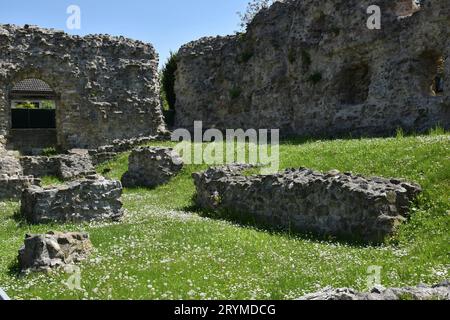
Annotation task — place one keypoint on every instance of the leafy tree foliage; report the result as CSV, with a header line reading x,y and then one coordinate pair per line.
x,y
253,7
168,82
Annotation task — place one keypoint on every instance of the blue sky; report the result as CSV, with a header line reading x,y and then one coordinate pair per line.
x,y
167,24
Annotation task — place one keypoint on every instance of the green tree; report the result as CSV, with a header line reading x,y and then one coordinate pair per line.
x,y
48,104
26,105
168,82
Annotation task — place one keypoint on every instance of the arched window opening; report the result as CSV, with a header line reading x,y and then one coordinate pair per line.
x,y
33,105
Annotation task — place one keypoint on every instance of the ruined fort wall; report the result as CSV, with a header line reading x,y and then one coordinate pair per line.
x,y
314,68
107,87
302,200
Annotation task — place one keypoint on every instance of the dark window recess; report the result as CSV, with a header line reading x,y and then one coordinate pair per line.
x,y
353,84
439,84
33,119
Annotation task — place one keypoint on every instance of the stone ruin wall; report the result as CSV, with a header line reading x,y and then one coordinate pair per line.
x,y
107,87
93,198
333,204
313,68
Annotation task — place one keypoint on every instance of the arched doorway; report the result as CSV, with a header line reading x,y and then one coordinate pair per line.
x,y
33,116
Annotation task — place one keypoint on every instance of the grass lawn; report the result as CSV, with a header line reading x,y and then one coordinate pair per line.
x,y
163,251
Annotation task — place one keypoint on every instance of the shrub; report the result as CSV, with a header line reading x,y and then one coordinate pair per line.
x,y
315,78
253,8
246,56
235,93
48,152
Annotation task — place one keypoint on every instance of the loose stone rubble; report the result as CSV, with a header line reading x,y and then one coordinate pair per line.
x,y
333,204
44,252
151,167
109,152
423,292
93,198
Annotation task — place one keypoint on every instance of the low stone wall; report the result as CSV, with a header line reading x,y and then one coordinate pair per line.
x,y
336,204
109,152
101,157
65,166
43,252
437,292
75,165
151,167
91,199
11,187
9,163
12,179
39,166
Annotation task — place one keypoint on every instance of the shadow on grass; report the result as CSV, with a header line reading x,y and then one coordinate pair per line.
x,y
140,189
14,270
300,140
247,220
50,224
19,218
394,133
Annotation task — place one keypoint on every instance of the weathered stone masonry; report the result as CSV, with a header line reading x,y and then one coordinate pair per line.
x,y
151,167
107,87
63,166
313,68
421,292
91,199
43,252
12,178
336,204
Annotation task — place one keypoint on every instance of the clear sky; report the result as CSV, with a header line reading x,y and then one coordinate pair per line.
x,y
167,24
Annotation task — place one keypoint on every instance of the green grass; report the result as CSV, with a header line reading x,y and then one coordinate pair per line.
x,y
50,181
162,251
